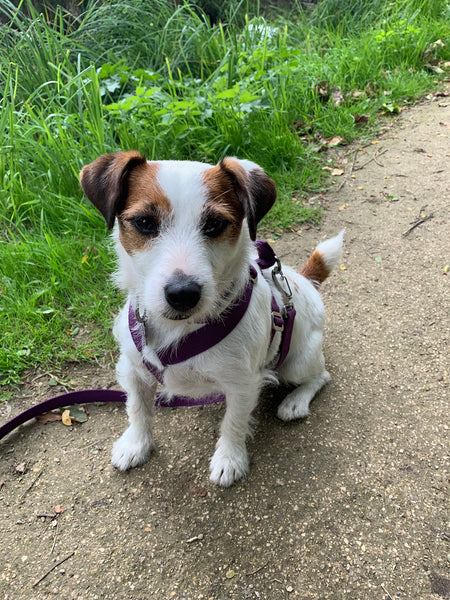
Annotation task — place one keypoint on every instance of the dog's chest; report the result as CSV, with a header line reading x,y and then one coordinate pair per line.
x,y
184,380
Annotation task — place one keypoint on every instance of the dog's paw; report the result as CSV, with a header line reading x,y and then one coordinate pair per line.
x,y
131,449
228,465
294,406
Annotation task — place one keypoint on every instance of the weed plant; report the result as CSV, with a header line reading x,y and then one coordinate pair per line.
x,y
140,74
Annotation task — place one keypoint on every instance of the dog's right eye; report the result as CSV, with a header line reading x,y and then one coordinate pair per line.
x,y
146,225
214,226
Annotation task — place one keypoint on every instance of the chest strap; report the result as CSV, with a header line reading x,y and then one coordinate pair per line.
x,y
202,339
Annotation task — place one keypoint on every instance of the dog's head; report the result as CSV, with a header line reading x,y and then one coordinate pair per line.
x,y
183,227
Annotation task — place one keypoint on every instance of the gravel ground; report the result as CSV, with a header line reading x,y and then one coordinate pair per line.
x,y
350,502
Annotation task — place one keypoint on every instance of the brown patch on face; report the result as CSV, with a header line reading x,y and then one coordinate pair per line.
x,y
105,180
145,200
315,269
255,191
223,202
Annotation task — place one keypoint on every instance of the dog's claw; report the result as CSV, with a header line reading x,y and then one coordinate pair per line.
x,y
228,467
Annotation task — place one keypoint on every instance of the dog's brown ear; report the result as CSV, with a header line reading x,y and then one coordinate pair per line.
x,y
255,189
105,181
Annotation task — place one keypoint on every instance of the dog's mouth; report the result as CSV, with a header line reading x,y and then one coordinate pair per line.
x,y
176,316
194,316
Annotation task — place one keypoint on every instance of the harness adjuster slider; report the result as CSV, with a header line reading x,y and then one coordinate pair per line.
x,y
277,321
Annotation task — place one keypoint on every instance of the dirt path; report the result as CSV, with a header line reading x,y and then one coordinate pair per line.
x,y
348,503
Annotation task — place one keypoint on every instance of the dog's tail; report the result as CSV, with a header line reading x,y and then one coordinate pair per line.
x,y
323,260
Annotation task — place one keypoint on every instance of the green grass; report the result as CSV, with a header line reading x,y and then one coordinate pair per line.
x,y
137,74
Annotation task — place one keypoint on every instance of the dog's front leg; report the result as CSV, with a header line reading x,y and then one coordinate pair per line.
x,y
230,461
134,446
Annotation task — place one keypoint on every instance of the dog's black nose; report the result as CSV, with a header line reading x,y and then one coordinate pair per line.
x,y
183,292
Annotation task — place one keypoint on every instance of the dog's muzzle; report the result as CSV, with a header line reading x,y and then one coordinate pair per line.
x,y
182,293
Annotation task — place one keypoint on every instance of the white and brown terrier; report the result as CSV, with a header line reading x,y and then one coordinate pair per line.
x,y
186,258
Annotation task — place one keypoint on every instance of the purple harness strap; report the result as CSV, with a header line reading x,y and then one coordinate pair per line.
x,y
284,323
193,344
200,340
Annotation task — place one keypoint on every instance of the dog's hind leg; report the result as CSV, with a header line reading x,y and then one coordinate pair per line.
x,y
305,369
134,446
296,403
230,460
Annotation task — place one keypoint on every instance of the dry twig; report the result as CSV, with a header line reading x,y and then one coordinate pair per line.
x,y
374,158
38,581
258,569
353,163
196,538
344,181
30,486
389,597
417,223
54,539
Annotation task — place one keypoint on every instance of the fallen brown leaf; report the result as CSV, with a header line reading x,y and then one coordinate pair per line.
x,y
322,89
21,467
48,417
337,97
197,491
358,94
336,140
361,120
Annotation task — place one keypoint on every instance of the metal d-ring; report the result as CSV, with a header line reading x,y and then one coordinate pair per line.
x,y
140,318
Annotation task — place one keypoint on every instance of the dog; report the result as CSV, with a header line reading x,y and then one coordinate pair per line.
x,y
185,243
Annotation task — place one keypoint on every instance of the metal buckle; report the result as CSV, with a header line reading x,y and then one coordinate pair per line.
x,y
275,325
140,318
285,291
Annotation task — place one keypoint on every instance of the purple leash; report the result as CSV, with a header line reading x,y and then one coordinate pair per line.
x,y
93,396
68,399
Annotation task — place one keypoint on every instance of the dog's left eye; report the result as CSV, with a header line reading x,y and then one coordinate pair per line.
x,y
214,226
146,225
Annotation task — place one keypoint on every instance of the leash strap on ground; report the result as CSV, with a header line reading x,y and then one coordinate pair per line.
x,y
94,396
68,399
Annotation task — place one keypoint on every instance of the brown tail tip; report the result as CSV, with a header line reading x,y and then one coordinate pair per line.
x,y
315,269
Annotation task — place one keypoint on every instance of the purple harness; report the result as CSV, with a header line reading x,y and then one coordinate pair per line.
x,y
214,331
195,343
